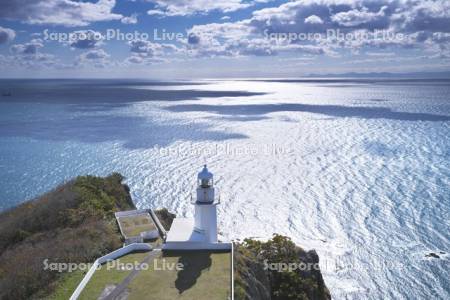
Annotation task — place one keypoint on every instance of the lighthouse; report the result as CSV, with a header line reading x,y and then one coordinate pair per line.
x,y
199,232
205,210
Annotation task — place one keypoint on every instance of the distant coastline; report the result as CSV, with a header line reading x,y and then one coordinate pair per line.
x,y
439,75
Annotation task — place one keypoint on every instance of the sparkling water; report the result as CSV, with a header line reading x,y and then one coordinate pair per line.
x,y
357,169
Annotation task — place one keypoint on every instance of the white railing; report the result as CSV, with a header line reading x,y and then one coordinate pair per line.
x,y
110,256
232,270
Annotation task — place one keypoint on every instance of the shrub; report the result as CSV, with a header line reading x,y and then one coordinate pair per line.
x,y
73,223
284,284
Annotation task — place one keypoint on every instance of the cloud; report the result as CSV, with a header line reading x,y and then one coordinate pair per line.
x,y
96,54
418,22
357,17
86,39
313,19
150,49
191,7
145,52
97,58
223,39
424,16
29,48
28,56
136,59
156,12
59,12
130,20
193,39
426,25
144,47
6,35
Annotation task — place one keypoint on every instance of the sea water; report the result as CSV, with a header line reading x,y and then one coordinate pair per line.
x,y
357,169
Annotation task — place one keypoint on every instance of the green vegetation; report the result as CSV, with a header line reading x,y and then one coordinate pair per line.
x,y
73,223
65,285
254,279
109,275
206,275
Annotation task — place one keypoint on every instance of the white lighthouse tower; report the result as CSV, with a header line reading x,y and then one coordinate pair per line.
x,y
200,232
205,206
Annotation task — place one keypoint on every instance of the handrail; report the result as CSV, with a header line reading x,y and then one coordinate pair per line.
x,y
110,256
158,224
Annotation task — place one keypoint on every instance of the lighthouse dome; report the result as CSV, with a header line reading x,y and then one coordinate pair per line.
x,y
205,174
205,177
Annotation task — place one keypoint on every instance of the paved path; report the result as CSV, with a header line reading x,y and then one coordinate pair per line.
x,y
115,294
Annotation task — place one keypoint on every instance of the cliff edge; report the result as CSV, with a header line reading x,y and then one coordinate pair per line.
x,y
74,223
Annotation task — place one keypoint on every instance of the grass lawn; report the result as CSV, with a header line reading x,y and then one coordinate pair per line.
x,y
134,225
66,285
206,275
104,277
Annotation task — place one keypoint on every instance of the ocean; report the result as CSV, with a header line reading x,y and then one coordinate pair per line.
x,y
358,169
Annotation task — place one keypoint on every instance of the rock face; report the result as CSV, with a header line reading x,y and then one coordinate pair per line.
x,y
277,269
165,217
433,255
251,279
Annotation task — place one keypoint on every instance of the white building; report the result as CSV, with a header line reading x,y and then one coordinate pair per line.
x,y
200,232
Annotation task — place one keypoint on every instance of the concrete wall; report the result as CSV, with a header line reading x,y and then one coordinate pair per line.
x,y
206,220
128,213
196,246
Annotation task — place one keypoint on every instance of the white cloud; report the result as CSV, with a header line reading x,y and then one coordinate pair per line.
x,y
427,24
96,54
313,19
6,35
28,56
155,12
423,16
136,59
360,18
30,48
150,49
191,7
145,47
59,12
357,17
97,58
130,20
86,39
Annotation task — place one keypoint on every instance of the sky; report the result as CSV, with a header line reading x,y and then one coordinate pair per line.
x,y
187,39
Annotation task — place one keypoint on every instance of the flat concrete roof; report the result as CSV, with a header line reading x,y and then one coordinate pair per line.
x,y
182,230
132,225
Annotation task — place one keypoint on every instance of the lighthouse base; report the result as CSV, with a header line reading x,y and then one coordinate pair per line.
x,y
184,236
